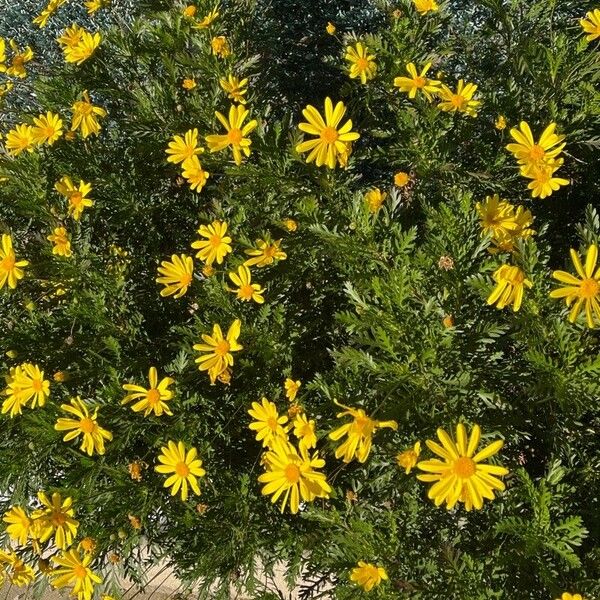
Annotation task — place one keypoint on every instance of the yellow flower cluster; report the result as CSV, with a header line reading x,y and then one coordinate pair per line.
x,y
78,44
25,384
15,67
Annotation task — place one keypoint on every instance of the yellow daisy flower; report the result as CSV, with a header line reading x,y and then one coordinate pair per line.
x,y
57,517
76,195
529,152
500,122
182,148
19,60
83,49
236,133
219,45
218,350
18,524
62,244
362,64
47,128
268,424
543,183
265,253
374,199
409,457
246,289
42,19
582,292
418,82
425,6
401,179
18,573
176,275
20,139
235,88
293,474
591,24
359,432
216,246
196,176
73,571
208,20
460,476
70,37
330,28
182,467
86,425
93,6
367,575
459,101
189,11
11,269
85,116
510,285
189,83
291,388
153,399
305,431
331,141
28,382
567,595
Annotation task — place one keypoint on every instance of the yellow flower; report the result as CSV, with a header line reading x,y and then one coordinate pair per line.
x,y
591,24
510,285
330,29
19,60
216,246
42,19
304,430
367,575
374,199
85,47
567,595
290,224
182,467
500,122
529,152
582,292
425,6
208,270
360,433
20,139
362,64
291,388
460,476
73,571
153,399
208,20
18,524
70,37
47,129
218,350
265,253
135,469
235,88
543,183
182,148
246,289
11,269
17,571
94,6
408,459
86,425
236,133
60,239
16,401
87,545
417,82
194,173
189,83
268,424
5,87
77,196
294,475
27,381
57,517
189,11
219,45
330,142
401,179
459,101
176,275
85,116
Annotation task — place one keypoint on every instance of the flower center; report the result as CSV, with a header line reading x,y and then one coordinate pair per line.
x,y
85,108
537,152
363,426
515,277
8,263
75,198
464,467
270,251
235,136
36,384
215,241
58,518
222,348
182,469
272,423
362,64
329,135
419,82
292,473
87,425
80,572
458,101
153,397
246,292
185,279
589,288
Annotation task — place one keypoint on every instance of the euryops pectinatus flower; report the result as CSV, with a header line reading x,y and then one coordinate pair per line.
x,y
460,475
183,467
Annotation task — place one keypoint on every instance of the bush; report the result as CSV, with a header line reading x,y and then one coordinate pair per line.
x,y
391,285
